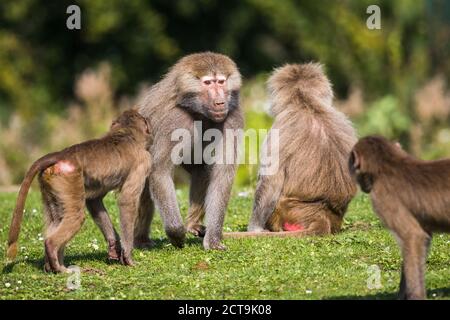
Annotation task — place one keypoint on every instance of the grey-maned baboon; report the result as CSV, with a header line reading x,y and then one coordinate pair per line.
x,y
199,87
83,174
312,188
411,197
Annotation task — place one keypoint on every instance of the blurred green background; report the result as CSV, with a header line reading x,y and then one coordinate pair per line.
x,y
60,86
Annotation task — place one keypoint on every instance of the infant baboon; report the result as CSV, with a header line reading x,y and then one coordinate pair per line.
x,y
411,197
312,188
84,174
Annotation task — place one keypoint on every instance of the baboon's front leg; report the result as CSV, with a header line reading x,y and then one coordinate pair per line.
x,y
414,253
100,215
216,201
128,203
142,228
163,192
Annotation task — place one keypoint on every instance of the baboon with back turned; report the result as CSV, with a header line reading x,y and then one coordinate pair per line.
x,y
312,188
201,87
411,197
82,175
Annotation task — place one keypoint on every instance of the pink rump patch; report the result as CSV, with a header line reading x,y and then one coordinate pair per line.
x,y
292,227
64,167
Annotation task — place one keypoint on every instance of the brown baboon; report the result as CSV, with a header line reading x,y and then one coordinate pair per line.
x,y
84,173
312,188
411,197
201,87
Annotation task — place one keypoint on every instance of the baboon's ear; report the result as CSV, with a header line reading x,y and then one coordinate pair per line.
x,y
354,162
147,126
114,125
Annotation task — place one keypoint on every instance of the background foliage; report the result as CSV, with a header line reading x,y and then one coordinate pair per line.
x,y
59,86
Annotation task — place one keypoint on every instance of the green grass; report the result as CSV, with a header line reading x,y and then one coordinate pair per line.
x,y
333,267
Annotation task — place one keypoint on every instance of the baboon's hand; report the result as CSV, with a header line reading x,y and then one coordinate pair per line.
x,y
177,236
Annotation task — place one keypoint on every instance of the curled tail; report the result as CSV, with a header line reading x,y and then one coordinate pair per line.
x,y
38,166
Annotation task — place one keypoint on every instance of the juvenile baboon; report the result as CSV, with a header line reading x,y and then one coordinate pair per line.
x,y
312,188
200,87
83,174
411,197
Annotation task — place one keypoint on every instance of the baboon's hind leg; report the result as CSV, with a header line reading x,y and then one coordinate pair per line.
x,y
52,215
64,203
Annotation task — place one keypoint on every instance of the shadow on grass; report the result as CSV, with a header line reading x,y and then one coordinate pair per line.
x,y
68,260
431,294
101,256
162,243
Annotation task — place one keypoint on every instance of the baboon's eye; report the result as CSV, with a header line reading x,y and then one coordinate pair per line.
x,y
207,82
221,81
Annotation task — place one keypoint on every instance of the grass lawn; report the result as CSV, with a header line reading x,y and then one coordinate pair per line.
x,y
333,267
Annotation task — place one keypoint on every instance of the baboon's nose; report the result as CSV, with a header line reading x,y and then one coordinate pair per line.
x,y
219,103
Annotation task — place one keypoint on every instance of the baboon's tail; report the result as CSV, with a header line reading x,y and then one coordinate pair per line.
x,y
268,234
14,230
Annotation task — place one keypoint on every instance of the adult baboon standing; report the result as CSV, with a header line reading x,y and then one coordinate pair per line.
x,y
200,87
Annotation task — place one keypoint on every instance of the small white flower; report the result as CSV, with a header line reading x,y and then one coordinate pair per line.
x,y
40,238
7,284
243,194
95,246
34,210
434,295
308,291
19,281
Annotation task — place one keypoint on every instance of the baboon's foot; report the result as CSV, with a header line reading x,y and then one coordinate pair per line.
x,y
114,251
214,245
59,269
126,259
51,259
197,230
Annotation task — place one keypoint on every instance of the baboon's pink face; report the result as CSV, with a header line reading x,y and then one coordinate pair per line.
x,y
212,95
214,88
